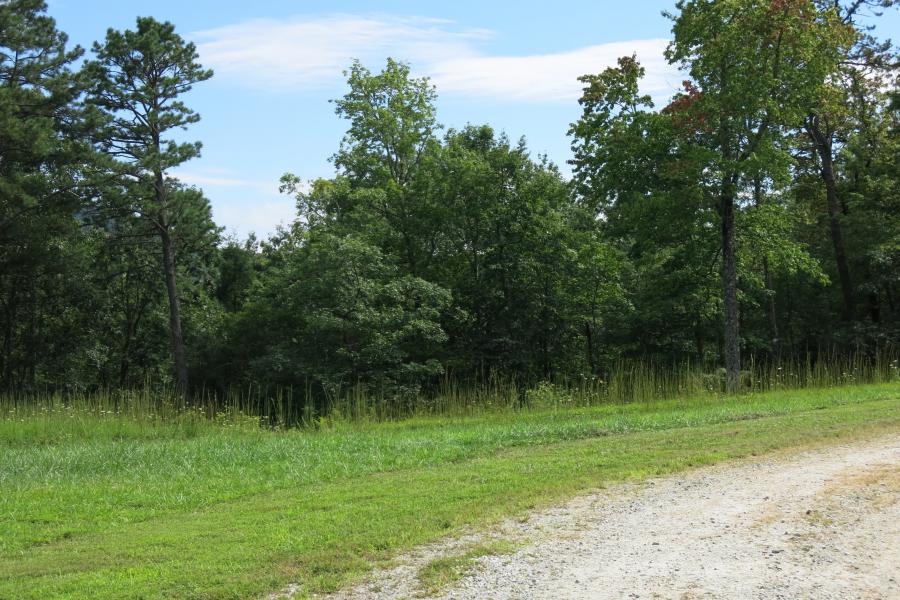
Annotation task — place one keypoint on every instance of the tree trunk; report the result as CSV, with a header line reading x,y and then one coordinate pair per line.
x,y
589,349
698,342
767,282
131,327
178,353
6,382
822,142
181,373
773,320
889,294
874,307
731,349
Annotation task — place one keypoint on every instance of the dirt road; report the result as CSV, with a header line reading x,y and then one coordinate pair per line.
x,y
819,524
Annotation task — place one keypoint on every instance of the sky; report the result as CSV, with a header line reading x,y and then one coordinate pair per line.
x,y
277,63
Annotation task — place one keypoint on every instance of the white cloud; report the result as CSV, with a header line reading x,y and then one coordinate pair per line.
x,y
263,217
310,53
550,77
241,205
202,180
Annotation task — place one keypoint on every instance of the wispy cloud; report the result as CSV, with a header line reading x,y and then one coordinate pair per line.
x,y
213,180
310,53
550,77
262,217
242,205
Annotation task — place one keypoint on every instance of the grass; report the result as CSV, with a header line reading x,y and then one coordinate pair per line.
x,y
440,572
117,507
277,407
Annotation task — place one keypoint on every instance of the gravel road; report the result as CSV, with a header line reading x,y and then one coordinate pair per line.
x,y
819,524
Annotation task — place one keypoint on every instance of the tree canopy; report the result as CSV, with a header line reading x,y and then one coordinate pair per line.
x,y
753,216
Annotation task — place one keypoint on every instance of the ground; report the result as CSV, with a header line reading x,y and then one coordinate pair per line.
x,y
818,524
125,505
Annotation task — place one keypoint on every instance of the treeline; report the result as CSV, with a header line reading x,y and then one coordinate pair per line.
x,y
755,217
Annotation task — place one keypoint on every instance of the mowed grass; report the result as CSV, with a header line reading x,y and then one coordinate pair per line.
x,y
109,508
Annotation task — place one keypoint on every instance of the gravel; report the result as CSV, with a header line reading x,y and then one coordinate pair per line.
x,y
819,524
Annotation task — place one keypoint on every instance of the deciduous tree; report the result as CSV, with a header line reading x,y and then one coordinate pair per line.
x,y
757,66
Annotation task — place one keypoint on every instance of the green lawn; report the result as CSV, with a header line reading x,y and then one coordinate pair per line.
x,y
115,509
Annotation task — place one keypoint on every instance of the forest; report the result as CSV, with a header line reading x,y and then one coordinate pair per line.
x,y
668,368
752,219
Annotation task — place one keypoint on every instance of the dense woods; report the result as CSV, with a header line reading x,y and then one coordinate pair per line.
x,y
755,217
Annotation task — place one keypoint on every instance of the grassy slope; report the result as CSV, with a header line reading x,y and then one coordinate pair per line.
x,y
107,509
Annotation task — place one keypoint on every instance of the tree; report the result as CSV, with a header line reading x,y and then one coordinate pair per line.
x,y
136,82
638,172
527,268
237,272
862,68
473,215
332,312
756,66
41,154
392,129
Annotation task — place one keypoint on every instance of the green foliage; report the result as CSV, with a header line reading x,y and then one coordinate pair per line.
x,y
758,66
445,305
632,167
392,124
524,276
333,312
42,249
237,273
526,266
442,268
136,81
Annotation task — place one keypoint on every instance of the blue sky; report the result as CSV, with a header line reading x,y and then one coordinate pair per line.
x,y
277,63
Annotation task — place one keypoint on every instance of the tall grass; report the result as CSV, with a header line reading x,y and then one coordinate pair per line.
x,y
628,381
